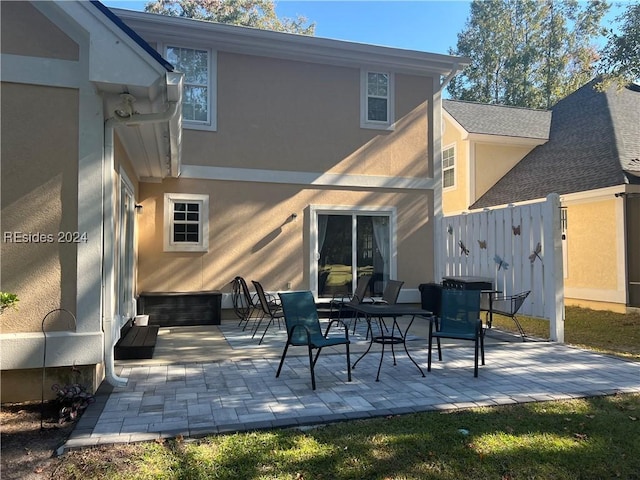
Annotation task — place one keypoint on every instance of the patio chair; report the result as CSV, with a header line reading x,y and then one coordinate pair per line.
x,y
509,305
357,298
270,309
431,299
460,320
390,296
244,304
303,329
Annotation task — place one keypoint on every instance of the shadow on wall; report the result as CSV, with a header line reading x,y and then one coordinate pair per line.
x,y
271,236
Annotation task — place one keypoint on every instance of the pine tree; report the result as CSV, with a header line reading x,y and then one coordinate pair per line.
x,y
528,53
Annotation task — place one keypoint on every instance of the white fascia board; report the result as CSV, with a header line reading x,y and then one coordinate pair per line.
x,y
571,198
252,41
506,140
592,195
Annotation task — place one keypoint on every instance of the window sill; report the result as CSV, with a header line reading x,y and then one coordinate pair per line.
x,y
378,126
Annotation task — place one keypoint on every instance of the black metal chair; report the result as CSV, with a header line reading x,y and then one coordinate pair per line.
x,y
244,304
390,296
269,309
509,306
358,297
459,319
303,329
431,299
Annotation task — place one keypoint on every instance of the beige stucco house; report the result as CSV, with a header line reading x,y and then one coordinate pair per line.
x,y
586,149
144,153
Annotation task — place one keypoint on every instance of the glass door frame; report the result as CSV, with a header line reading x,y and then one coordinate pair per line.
x,y
125,248
314,254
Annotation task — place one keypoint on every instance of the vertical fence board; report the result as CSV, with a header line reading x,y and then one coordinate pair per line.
x,y
511,235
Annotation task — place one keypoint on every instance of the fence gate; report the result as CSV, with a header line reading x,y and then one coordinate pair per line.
x,y
520,247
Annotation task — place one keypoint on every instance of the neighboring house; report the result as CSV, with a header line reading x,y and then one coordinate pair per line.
x,y
586,149
301,162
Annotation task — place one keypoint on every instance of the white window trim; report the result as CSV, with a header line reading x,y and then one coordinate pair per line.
x,y
364,121
455,166
316,210
212,123
169,245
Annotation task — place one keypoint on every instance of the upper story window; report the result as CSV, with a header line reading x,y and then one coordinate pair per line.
x,y
449,167
377,99
198,101
186,222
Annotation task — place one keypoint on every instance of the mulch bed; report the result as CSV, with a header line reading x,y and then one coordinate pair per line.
x,y
27,450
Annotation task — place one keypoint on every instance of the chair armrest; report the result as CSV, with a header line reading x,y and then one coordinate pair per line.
x,y
344,325
290,332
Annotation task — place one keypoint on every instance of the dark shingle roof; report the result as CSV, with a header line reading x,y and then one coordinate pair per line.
x,y
488,119
594,139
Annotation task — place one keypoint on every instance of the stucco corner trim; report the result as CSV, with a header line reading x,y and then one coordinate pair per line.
x,y
26,350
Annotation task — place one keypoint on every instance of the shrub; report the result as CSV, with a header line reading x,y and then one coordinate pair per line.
x,y
73,400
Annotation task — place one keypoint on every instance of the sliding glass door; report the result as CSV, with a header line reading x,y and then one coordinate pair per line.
x,y
349,245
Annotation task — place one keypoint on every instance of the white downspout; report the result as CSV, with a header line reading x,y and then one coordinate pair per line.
x,y
111,323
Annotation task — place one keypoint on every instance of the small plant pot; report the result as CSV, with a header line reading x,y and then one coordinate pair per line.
x,y
141,320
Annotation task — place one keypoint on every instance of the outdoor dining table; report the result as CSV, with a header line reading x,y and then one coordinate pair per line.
x,y
375,313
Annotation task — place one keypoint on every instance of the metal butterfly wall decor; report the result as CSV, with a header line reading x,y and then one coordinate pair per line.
x,y
501,263
463,248
450,230
516,230
536,253
482,244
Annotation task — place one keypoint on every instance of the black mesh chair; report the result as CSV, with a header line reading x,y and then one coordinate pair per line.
x,y
390,296
431,299
270,309
339,306
509,306
244,304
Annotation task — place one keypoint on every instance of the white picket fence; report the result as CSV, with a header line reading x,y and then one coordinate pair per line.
x,y
519,247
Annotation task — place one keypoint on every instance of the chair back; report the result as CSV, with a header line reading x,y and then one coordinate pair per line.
x,y
301,316
518,300
265,304
460,311
392,291
431,297
242,302
509,305
361,289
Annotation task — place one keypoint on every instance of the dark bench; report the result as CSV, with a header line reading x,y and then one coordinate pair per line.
x,y
136,342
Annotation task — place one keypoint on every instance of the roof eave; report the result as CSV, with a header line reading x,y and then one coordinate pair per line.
x,y
254,41
506,139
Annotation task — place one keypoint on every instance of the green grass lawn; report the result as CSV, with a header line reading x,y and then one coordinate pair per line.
x,y
608,332
591,438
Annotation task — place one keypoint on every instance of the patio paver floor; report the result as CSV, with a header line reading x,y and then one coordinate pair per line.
x,y
194,399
